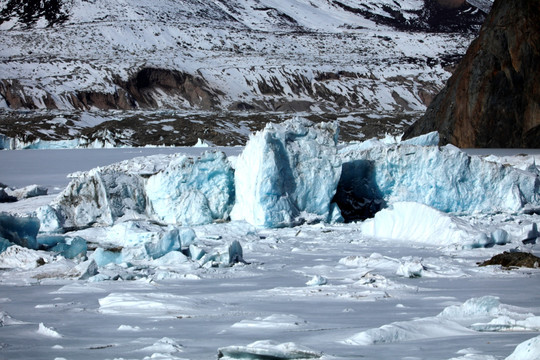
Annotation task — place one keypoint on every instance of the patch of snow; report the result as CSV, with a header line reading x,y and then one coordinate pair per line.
x,y
414,222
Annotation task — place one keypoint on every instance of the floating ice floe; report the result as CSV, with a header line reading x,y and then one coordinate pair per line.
x,y
152,305
317,280
164,346
268,349
414,222
7,320
455,320
286,170
275,321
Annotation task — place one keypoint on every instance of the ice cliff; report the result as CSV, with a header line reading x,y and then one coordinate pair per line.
x,y
174,189
288,173
286,170
377,174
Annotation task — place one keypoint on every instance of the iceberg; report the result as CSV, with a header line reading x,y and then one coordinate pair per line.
x,y
376,174
414,222
20,230
285,170
289,173
174,189
266,349
192,191
27,192
527,350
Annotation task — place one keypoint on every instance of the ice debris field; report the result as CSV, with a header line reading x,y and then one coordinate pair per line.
x,y
294,247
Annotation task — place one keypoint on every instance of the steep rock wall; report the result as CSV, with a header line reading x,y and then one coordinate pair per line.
x,y
493,97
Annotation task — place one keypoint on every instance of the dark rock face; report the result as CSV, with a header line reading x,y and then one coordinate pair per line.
x,y
493,97
30,11
513,259
141,91
435,16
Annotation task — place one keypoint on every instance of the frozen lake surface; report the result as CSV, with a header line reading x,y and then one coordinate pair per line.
x,y
356,285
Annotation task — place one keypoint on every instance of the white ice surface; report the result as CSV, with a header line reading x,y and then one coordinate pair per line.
x,y
190,305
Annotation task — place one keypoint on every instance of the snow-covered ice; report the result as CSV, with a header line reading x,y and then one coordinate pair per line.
x,y
128,283
527,350
455,320
267,349
414,222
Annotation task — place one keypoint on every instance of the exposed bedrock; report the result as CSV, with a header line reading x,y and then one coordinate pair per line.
x,y
493,97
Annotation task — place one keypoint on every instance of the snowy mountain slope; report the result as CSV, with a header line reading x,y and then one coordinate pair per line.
x,y
262,55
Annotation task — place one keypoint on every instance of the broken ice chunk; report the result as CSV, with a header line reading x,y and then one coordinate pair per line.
x,y
285,170
46,331
103,257
411,268
19,230
317,280
267,349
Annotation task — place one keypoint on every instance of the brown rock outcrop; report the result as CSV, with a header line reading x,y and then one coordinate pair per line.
x,y
493,97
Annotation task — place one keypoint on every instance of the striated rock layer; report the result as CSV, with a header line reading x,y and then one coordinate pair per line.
x,y
493,98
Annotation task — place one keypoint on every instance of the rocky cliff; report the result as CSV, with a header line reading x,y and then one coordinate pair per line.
x,y
493,97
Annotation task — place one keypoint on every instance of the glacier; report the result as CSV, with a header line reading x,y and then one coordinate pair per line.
x,y
376,174
173,189
291,173
286,170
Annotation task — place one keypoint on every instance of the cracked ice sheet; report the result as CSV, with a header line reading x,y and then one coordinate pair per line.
x,y
190,312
